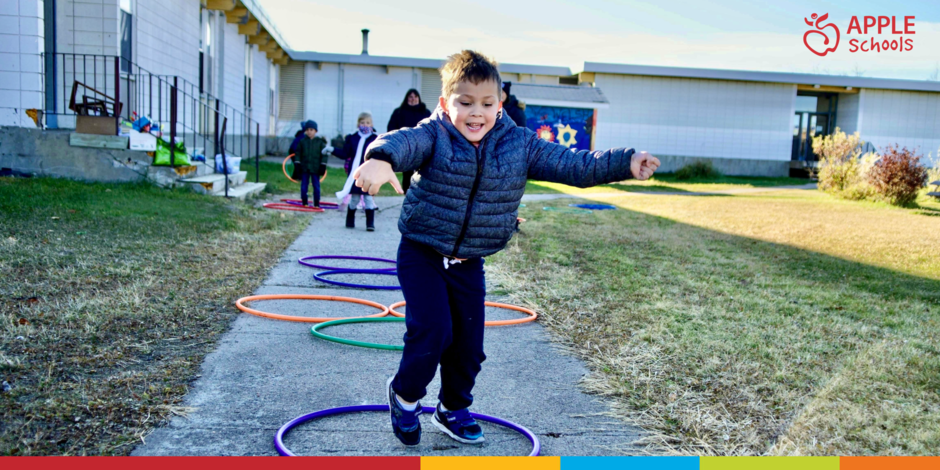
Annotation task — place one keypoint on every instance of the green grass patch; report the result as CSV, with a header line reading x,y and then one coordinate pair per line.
x,y
787,323
667,183
273,174
112,296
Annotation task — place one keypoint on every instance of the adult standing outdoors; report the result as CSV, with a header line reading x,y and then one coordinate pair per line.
x,y
409,114
512,107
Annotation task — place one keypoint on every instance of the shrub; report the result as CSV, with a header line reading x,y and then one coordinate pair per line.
x,y
898,176
702,169
841,171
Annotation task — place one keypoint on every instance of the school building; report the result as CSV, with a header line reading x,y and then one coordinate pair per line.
x,y
746,123
193,66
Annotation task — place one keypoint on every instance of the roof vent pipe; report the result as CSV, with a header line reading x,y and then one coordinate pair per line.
x,y
365,42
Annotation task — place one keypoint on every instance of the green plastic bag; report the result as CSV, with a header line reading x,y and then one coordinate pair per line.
x,y
162,155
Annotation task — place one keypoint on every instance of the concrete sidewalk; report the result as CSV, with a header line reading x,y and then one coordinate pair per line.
x,y
267,372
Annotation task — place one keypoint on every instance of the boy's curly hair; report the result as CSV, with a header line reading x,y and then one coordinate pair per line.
x,y
471,66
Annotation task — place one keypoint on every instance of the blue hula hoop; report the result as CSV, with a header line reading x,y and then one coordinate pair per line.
x,y
594,207
284,451
319,277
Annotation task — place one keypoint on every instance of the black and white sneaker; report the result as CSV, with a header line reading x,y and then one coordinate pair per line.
x,y
459,425
405,423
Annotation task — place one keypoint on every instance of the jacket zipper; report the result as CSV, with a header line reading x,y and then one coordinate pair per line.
x,y
473,193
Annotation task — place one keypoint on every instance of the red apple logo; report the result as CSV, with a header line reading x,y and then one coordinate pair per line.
x,y
819,30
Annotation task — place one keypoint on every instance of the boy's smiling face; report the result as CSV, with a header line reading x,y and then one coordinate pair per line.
x,y
473,107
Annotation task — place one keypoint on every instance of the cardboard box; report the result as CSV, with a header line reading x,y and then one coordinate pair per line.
x,y
143,141
98,125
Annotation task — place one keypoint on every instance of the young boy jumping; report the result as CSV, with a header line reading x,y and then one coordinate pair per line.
x,y
473,164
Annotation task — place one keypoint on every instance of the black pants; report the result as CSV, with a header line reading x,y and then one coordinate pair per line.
x,y
312,178
444,319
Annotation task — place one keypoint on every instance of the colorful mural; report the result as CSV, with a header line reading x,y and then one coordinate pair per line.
x,y
571,127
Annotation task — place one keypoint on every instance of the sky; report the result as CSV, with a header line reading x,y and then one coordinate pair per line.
x,y
729,34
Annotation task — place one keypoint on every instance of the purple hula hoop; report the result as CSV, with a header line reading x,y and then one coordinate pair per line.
x,y
318,276
284,451
304,262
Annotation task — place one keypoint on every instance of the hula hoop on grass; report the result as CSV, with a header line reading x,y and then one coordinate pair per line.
x,y
595,207
566,210
304,262
531,314
240,303
315,330
284,451
284,169
290,207
319,277
323,204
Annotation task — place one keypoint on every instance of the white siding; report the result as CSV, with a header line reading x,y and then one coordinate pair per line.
x,y
906,118
167,37
87,27
847,113
21,43
290,101
364,88
259,89
430,87
232,67
321,94
370,88
696,117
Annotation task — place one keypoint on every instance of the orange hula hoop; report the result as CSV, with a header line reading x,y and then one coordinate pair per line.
x,y
284,169
240,303
531,314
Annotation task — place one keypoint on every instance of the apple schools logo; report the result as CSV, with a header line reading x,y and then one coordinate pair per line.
x,y
819,30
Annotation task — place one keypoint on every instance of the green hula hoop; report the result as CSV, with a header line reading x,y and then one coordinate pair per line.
x,y
362,344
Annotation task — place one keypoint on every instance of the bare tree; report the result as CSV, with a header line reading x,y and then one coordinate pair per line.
x,y
935,75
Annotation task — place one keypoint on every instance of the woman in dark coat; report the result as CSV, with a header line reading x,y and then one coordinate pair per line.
x,y
409,114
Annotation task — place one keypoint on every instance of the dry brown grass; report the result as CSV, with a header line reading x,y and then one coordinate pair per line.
x,y
782,323
110,298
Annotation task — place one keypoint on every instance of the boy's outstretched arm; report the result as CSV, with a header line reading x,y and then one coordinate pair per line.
x,y
405,149
552,162
402,150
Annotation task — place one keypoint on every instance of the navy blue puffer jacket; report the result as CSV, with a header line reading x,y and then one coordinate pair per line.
x,y
467,198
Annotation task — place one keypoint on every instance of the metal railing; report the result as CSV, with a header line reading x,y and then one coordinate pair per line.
x,y
176,105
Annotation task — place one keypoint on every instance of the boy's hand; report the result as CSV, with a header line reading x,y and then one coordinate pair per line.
x,y
643,165
371,175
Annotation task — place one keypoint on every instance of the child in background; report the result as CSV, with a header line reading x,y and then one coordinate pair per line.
x,y
474,162
353,151
311,155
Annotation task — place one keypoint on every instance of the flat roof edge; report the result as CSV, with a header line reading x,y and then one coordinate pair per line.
x,y
753,76
262,16
359,59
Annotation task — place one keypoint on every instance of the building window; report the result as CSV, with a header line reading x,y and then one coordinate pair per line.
x,y
126,36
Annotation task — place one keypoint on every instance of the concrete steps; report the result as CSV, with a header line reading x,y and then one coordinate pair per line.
x,y
244,190
215,183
